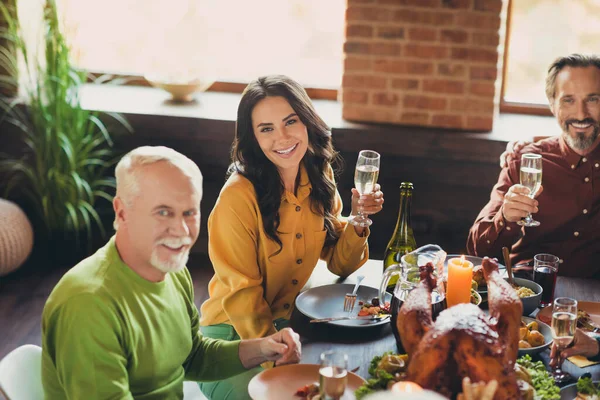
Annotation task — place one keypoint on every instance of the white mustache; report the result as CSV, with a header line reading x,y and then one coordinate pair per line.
x,y
172,242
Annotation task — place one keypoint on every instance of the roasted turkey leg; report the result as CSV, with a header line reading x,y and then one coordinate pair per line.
x,y
414,318
505,306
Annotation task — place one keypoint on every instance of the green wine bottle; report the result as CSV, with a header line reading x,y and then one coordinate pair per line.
x,y
403,240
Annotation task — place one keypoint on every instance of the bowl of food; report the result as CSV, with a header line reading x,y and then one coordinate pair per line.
x,y
530,294
584,389
475,297
534,336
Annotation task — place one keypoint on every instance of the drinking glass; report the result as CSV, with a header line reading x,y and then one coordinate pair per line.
x,y
545,269
531,178
365,178
564,322
333,375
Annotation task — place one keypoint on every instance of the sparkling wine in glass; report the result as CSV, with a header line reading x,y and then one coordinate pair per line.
x,y
333,375
531,178
564,322
365,178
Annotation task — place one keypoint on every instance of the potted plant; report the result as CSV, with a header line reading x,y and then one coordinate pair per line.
x,y
64,173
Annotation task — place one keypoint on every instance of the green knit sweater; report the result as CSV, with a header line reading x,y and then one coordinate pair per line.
x,y
107,333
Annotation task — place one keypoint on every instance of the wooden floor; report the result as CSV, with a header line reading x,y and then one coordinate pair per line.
x,y
23,294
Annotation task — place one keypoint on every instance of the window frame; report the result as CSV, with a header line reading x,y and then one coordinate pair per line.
x,y
315,93
511,106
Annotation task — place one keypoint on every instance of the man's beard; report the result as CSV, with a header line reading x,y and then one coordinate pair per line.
x,y
581,142
174,263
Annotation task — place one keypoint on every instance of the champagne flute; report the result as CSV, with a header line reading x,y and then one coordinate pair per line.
x,y
365,178
531,178
564,322
333,375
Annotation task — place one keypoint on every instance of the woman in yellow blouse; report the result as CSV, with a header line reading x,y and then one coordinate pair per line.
x,y
278,213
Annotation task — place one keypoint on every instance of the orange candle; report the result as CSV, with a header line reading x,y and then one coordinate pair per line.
x,y
406,387
460,274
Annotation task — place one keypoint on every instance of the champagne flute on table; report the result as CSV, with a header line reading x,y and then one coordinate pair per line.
x,y
365,178
564,322
531,178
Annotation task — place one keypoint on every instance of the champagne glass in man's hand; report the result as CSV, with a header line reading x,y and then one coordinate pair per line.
x,y
531,178
365,179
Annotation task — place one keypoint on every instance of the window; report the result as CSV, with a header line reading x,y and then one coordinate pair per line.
x,y
230,40
539,31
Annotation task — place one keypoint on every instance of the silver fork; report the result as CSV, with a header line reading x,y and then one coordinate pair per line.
x,y
350,298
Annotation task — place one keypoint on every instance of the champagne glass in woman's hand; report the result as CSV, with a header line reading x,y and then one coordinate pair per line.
x,y
564,322
365,178
531,178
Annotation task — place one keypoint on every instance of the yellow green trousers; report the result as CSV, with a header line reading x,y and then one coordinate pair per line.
x,y
236,387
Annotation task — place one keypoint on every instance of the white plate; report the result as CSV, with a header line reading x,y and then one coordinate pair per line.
x,y
328,301
281,383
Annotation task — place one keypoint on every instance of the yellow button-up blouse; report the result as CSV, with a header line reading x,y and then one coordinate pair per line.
x,y
251,286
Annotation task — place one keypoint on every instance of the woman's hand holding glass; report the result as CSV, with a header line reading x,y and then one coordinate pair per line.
x,y
367,204
582,344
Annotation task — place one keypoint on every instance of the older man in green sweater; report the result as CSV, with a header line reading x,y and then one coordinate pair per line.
x,y
122,324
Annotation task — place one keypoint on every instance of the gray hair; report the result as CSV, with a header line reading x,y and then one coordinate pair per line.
x,y
128,170
573,60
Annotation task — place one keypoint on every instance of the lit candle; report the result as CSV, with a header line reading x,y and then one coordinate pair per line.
x,y
460,274
406,387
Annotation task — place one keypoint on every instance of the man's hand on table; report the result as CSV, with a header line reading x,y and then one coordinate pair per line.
x,y
282,347
582,344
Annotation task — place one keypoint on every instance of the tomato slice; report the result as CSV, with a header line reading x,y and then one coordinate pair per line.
x,y
303,391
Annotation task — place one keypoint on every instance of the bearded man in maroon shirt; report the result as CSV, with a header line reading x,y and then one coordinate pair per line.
x,y
568,203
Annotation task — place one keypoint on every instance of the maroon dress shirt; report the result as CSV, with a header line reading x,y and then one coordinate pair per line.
x,y
569,213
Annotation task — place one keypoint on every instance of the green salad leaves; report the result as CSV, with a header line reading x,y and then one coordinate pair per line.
x,y
383,369
586,386
544,385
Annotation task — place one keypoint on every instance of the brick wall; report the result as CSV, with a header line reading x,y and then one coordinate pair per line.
x,y
423,62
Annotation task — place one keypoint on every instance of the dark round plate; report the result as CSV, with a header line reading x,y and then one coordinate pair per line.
x,y
328,301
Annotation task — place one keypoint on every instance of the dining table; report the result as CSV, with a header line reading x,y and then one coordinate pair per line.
x,y
364,343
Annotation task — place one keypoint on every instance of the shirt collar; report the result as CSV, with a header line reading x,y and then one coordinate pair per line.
x,y
572,158
304,188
